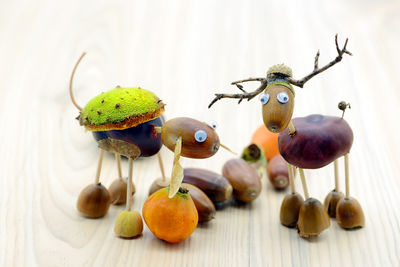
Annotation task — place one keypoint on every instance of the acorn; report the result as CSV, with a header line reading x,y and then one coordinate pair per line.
x,y
158,184
278,173
199,140
349,214
128,224
205,207
215,186
244,179
313,219
118,191
290,209
331,201
94,201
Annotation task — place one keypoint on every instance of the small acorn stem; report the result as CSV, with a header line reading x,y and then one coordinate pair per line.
x,y
336,170
346,174
292,129
129,188
97,180
160,162
303,182
118,158
291,180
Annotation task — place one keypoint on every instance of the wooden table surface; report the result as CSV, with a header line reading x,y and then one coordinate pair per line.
x,y
185,51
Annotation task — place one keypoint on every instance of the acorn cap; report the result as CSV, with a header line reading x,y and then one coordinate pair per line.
x,y
120,108
281,69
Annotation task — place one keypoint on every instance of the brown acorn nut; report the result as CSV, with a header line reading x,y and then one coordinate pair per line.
x,y
128,224
290,209
215,186
318,141
187,129
313,219
205,207
277,114
118,190
94,201
349,214
278,173
157,185
331,201
244,179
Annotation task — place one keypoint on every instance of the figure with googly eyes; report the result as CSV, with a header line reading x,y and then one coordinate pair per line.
x,y
305,143
129,122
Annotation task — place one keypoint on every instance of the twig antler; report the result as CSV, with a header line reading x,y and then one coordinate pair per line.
x,y
245,94
300,83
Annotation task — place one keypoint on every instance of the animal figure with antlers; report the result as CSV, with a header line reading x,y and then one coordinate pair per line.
x,y
306,143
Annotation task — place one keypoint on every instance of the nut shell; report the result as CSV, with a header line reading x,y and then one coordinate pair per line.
x,y
94,201
244,179
349,214
205,207
215,186
290,209
157,185
331,201
278,173
186,128
128,224
313,219
318,141
118,192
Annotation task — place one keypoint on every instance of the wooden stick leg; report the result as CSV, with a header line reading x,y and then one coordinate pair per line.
x,y
118,158
100,162
303,182
346,174
291,178
336,170
129,187
160,162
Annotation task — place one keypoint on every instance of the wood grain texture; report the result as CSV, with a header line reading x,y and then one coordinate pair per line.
x,y
185,51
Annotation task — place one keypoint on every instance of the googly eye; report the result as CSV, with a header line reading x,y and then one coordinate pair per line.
x,y
200,136
264,98
213,125
283,97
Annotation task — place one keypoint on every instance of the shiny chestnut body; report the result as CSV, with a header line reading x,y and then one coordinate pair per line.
x,y
318,141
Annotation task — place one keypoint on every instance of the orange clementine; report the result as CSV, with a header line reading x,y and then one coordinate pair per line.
x,y
267,140
170,219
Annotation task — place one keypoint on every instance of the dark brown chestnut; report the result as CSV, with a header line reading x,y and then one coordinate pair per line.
x,y
331,201
199,140
94,201
349,214
313,219
290,209
318,141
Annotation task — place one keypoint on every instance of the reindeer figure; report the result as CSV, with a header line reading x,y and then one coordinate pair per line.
x,y
306,143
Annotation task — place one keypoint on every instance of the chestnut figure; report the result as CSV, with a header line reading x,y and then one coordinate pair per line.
x,y
199,140
318,141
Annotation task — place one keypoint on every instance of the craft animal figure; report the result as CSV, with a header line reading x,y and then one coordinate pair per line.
x,y
306,143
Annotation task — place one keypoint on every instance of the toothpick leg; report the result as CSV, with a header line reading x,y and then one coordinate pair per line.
x,y
129,188
97,180
303,182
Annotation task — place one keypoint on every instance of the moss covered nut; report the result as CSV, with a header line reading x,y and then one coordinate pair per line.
x,y
120,108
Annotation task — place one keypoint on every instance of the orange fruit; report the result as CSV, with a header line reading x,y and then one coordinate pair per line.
x,y
267,140
170,219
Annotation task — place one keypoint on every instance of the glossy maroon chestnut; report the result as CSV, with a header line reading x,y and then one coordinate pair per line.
x,y
318,141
